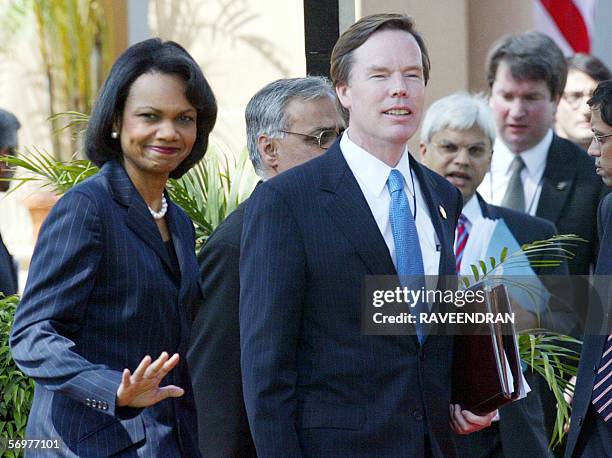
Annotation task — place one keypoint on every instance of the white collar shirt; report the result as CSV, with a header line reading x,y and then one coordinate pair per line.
x,y
493,187
371,174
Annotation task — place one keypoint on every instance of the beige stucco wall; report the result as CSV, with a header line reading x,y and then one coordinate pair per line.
x,y
245,44
264,42
487,21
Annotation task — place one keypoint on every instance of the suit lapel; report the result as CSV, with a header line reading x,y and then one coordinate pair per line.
x,y
181,240
346,205
432,200
138,218
487,210
557,181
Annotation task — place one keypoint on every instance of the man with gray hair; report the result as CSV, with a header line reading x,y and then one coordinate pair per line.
x,y
289,122
9,125
457,140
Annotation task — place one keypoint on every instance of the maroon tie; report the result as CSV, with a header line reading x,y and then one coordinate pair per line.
x,y
602,389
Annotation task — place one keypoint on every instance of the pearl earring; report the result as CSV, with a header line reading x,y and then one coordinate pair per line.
x,y
114,134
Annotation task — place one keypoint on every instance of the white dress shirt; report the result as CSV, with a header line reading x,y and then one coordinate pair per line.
x,y
471,210
372,174
472,251
493,187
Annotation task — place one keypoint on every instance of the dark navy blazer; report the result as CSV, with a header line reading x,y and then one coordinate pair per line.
x,y
593,344
102,294
314,385
571,191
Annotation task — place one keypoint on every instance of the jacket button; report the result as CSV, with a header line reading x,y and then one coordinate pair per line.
x,y
579,421
418,416
88,402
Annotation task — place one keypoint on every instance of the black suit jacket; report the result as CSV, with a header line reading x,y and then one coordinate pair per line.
x,y
8,274
524,418
571,191
593,344
214,353
314,385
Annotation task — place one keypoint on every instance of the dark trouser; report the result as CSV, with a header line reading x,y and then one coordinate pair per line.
x,y
481,444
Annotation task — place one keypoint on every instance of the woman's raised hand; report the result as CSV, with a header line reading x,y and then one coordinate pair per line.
x,y
141,389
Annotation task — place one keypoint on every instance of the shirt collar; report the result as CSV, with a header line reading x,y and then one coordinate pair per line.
x,y
534,158
371,172
471,210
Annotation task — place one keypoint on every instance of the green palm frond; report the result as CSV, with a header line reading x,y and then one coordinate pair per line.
x,y
552,356
17,389
545,352
208,192
40,166
213,189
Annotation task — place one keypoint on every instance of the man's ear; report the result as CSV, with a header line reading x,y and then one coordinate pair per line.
x,y
422,151
268,149
343,91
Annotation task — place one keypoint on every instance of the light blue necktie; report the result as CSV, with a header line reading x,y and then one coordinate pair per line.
x,y
409,258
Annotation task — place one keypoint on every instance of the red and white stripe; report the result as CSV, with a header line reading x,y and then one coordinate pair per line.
x,y
570,23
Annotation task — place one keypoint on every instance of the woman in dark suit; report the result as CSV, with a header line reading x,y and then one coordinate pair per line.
x,y
113,276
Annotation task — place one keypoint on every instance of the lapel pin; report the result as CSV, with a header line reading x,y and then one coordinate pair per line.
x,y
561,185
442,212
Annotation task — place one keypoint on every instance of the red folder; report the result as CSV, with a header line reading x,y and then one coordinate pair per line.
x,y
486,362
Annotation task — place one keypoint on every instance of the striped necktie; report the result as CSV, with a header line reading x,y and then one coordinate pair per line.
x,y
602,388
462,238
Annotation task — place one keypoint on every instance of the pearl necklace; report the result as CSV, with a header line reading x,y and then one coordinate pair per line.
x,y
164,208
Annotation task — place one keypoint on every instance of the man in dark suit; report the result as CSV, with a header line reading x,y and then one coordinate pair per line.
x,y
591,425
288,122
533,170
314,384
457,137
9,125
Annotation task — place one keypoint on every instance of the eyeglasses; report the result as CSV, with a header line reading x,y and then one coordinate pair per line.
x,y
476,150
573,98
324,139
598,138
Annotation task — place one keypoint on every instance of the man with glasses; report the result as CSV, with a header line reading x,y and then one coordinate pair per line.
x,y
573,114
289,121
590,431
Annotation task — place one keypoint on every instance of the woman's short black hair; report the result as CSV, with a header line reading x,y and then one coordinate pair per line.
x,y
149,56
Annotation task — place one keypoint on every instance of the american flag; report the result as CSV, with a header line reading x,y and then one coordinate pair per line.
x,y
570,23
